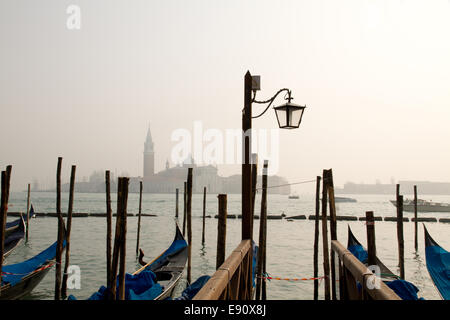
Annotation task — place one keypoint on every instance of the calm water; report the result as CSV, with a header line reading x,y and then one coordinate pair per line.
x,y
290,243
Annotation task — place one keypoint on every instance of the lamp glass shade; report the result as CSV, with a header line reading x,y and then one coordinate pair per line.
x,y
289,115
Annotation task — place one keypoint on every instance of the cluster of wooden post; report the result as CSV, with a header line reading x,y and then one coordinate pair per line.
x,y
401,246
116,255
63,234
328,266
187,217
119,249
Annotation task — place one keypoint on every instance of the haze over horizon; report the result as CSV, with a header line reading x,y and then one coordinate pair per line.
x,y
374,75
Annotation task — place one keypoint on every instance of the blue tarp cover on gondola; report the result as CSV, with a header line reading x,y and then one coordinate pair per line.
x,y
142,286
20,270
190,292
438,264
359,252
404,289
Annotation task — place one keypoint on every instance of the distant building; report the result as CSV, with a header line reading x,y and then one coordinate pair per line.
x,y
149,156
406,187
170,178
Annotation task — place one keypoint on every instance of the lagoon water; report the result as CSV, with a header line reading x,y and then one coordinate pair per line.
x,y
289,249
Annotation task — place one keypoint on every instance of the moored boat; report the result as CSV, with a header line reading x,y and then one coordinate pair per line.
x,y
169,266
344,199
157,279
19,279
12,226
438,265
423,206
14,238
404,289
357,249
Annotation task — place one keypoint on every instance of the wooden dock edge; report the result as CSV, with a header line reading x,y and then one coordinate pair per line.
x,y
225,281
360,273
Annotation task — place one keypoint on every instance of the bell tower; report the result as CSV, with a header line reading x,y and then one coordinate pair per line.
x,y
149,156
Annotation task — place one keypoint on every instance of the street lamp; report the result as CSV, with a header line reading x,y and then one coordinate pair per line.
x,y
289,116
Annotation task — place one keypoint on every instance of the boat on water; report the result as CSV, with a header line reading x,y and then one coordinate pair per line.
x,y
12,226
15,237
157,279
344,199
169,266
404,289
423,206
438,265
19,279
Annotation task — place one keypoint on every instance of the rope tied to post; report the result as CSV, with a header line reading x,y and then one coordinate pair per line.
x,y
267,276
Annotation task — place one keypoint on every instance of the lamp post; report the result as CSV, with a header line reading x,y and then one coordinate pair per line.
x,y
288,115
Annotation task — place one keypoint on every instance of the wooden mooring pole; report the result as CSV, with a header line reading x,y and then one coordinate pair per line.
x,y
260,281
59,246
28,213
176,203
221,230
139,218
316,241
254,180
120,241
123,245
189,222
108,230
204,215
326,254
371,246
67,235
401,246
333,229
416,246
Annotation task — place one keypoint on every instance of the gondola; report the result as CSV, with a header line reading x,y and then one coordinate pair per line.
x,y
20,279
12,226
357,249
404,289
438,265
157,279
13,239
169,266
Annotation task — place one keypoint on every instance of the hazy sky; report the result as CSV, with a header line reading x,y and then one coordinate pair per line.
x,y
375,76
